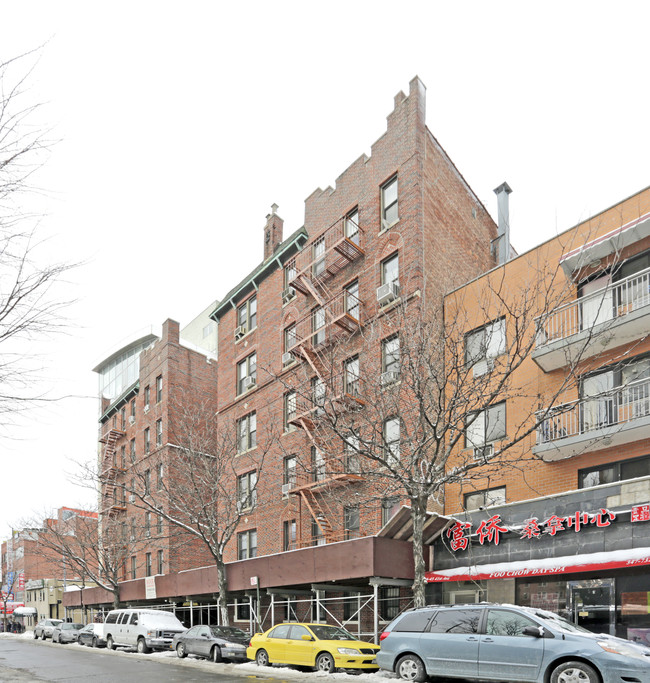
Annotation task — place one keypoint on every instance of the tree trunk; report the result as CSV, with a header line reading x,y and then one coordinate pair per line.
x,y
223,591
116,597
418,515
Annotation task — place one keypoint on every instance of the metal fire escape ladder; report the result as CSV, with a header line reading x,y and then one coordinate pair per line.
x,y
109,465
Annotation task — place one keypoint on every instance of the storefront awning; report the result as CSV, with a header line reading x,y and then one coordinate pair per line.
x,y
568,564
24,611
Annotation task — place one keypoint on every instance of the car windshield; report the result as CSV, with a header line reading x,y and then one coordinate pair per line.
x,y
331,632
228,632
71,627
562,623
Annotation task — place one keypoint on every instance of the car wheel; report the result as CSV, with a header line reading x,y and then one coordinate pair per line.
x,y
142,647
410,668
94,643
181,652
215,655
325,663
81,642
35,635
43,635
109,643
574,672
262,658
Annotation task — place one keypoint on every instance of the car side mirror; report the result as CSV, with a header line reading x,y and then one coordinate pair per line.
x,y
535,631
304,636
205,635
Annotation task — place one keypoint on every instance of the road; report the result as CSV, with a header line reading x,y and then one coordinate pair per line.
x,y
23,660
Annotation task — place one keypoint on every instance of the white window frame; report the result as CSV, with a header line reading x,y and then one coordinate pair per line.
x,y
388,202
247,431
483,427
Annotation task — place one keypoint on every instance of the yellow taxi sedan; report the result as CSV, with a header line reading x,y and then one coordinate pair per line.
x,y
327,648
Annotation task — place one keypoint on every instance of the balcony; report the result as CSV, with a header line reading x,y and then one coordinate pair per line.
x,y
608,317
613,418
324,325
326,255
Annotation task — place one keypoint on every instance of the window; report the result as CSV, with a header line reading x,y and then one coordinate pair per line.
x,y
247,315
133,566
317,536
390,355
147,482
486,426
159,526
289,410
247,544
147,564
146,397
159,433
123,418
351,447
389,506
318,394
123,495
318,256
289,277
352,226
485,344
352,303
351,522
246,373
351,376
392,439
616,471
486,498
290,337
147,441
506,623
247,432
208,329
147,524
159,471
414,622
317,464
133,410
390,270
389,215
318,326
159,389
160,562
388,602
243,609
132,450
455,621
289,535
289,471
246,491
123,457
351,608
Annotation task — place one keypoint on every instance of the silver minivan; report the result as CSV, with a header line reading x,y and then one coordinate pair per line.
x,y
144,629
492,642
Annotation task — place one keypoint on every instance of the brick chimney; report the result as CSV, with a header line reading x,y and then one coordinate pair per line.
x,y
272,232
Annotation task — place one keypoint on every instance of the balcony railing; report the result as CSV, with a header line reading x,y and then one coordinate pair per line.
x,y
614,301
327,254
322,326
588,415
340,392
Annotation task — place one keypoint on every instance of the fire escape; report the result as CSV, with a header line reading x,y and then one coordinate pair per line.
x,y
333,316
108,473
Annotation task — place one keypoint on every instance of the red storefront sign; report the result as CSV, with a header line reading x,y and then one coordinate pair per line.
x,y
640,513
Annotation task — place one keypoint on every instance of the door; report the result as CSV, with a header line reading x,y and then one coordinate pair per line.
x,y
505,652
300,651
202,642
592,605
598,409
596,302
276,644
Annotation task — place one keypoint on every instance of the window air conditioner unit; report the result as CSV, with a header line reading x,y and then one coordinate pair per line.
x,y
249,382
286,358
131,420
146,409
132,498
288,294
285,489
240,506
387,293
389,377
482,367
483,452
240,331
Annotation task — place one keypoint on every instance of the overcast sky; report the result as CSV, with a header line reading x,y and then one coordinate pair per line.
x,y
181,123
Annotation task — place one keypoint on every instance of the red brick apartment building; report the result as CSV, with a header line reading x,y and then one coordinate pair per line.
x,y
399,225
568,530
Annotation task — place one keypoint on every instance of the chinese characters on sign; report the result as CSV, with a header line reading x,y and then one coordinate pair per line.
x,y
640,513
490,530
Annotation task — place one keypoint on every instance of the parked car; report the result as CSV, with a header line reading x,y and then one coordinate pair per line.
x,y
45,627
93,635
214,642
505,643
327,648
144,629
66,632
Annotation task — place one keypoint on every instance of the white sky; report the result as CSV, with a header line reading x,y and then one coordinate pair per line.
x,y
182,122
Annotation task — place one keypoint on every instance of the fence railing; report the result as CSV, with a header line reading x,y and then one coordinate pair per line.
x,y
611,302
616,407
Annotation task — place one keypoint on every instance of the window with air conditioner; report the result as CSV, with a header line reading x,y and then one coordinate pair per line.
x,y
485,427
288,473
289,276
485,344
246,373
389,289
289,341
246,316
391,435
390,360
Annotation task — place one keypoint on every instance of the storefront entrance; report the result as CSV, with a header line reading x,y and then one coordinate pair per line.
x,y
592,604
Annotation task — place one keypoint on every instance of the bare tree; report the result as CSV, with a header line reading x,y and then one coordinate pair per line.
x,y
434,415
11,581
29,308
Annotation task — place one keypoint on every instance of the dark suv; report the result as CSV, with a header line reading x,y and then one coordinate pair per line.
x,y
506,643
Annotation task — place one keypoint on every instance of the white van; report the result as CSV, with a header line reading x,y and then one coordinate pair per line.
x,y
144,629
